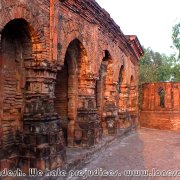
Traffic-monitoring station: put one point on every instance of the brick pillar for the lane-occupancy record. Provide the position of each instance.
(1, 100)
(42, 145)
(1, 92)
(123, 106)
(89, 132)
(72, 107)
(110, 111)
(133, 105)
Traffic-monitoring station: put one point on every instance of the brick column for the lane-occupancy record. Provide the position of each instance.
(72, 108)
(110, 111)
(89, 132)
(1, 92)
(123, 106)
(133, 105)
(1, 78)
(43, 145)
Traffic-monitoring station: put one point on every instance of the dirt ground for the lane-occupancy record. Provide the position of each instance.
(153, 153)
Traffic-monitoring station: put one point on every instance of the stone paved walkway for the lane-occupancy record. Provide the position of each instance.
(142, 150)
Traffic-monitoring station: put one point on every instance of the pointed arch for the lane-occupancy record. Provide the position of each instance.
(16, 48)
(67, 89)
(17, 12)
(121, 78)
(103, 86)
(132, 82)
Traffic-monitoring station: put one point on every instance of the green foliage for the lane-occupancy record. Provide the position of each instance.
(176, 43)
(176, 73)
(176, 37)
(155, 67)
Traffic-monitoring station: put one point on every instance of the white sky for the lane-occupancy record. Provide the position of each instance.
(150, 20)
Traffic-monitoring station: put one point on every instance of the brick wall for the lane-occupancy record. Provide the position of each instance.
(155, 114)
(51, 53)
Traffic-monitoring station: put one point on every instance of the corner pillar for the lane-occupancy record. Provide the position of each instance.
(42, 144)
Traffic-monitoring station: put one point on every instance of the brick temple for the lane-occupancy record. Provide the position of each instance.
(68, 77)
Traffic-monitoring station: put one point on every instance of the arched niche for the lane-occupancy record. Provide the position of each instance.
(161, 93)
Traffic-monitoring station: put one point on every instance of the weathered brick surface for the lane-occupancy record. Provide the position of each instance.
(60, 79)
(153, 114)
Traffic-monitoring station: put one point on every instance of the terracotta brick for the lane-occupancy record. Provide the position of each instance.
(165, 117)
(60, 79)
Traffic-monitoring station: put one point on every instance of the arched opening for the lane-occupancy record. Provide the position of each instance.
(121, 88)
(123, 97)
(132, 84)
(67, 87)
(104, 94)
(16, 47)
(100, 84)
(120, 79)
(161, 94)
(131, 95)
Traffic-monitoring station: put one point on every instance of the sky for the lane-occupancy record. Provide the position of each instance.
(150, 20)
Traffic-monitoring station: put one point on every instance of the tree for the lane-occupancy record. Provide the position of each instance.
(176, 37)
(176, 43)
(155, 67)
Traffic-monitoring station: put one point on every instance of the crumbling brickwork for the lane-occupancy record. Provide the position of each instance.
(68, 75)
(161, 106)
